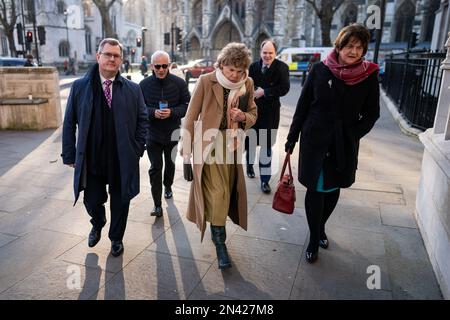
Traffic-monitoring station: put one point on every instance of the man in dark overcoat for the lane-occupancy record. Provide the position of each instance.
(271, 79)
(109, 113)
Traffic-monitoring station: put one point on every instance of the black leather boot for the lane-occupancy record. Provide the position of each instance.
(218, 236)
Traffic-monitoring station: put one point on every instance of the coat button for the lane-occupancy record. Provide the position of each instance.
(327, 154)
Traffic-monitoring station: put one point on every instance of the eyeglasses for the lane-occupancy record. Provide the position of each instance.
(159, 66)
(111, 55)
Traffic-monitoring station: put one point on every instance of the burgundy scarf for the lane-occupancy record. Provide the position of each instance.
(352, 73)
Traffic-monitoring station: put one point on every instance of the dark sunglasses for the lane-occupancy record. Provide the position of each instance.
(159, 66)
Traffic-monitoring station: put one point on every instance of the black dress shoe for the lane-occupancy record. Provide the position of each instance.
(94, 237)
(116, 248)
(312, 252)
(265, 187)
(157, 212)
(250, 171)
(168, 193)
(323, 242)
(311, 257)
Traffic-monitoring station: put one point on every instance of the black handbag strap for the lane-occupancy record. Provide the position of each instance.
(287, 162)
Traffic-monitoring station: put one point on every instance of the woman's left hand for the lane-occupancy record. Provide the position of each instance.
(237, 115)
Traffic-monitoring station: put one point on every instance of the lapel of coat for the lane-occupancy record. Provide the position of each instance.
(218, 91)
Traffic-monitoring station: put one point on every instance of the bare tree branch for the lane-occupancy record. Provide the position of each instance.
(340, 2)
(314, 5)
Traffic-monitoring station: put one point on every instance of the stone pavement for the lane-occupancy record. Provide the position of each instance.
(43, 237)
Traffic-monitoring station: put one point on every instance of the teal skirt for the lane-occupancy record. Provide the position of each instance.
(320, 184)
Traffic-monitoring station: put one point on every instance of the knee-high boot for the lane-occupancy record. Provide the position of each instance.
(218, 236)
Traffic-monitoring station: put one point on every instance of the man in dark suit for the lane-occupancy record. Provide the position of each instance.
(166, 97)
(111, 117)
(271, 79)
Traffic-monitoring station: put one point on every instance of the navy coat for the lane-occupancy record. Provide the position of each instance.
(332, 117)
(131, 125)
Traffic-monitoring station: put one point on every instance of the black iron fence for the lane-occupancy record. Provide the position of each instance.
(413, 80)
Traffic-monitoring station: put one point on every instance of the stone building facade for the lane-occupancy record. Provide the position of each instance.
(74, 30)
(207, 25)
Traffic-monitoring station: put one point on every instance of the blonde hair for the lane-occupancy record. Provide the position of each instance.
(234, 54)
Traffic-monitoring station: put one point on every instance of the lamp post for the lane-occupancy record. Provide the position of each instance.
(143, 30)
(66, 16)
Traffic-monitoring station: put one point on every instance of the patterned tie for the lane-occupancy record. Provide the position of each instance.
(107, 92)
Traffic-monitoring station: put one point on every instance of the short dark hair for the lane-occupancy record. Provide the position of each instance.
(112, 42)
(272, 42)
(355, 30)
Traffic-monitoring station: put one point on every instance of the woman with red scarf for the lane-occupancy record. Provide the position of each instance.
(338, 105)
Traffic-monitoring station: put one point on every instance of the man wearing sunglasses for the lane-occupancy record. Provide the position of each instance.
(167, 97)
(109, 113)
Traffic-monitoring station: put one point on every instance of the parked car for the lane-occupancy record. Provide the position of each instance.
(196, 68)
(12, 62)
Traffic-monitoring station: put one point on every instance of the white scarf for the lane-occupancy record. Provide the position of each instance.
(237, 89)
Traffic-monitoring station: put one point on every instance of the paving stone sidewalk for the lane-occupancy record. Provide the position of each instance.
(43, 237)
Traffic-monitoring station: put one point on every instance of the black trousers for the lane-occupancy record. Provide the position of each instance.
(94, 200)
(266, 140)
(155, 153)
(319, 206)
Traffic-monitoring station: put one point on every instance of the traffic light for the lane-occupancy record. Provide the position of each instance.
(20, 33)
(413, 40)
(138, 42)
(188, 45)
(167, 38)
(41, 35)
(133, 51)
(178, 35)
(29, 36)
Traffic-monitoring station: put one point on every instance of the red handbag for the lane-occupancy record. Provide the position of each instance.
(284, 197)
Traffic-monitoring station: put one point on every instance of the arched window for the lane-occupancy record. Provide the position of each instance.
(404, 18)
(60, 7)
(197, 13)
(88, 41)
(64, 49)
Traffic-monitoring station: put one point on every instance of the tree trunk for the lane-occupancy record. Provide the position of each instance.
(11, 44)
(106, 21)
(103, 7)
(325, 26)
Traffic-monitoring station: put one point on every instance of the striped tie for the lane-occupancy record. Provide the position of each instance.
(107, 92)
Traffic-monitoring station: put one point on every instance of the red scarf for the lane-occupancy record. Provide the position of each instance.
(352, 73)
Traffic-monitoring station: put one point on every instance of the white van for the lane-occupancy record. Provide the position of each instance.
(298, 59)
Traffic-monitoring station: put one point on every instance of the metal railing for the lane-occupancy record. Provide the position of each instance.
(413, 80)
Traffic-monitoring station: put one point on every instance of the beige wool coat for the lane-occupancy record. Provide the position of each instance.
(205, 112)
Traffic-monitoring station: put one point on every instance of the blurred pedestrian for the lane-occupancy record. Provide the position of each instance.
(166, 97)
(338, 105)
(271, 77)
(30, 62)
(111, 139)
(221, 105)
(176, 71)
(144, 66)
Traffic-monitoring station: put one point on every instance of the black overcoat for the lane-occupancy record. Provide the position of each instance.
(275, 83)
(131, 125)
(332, 117)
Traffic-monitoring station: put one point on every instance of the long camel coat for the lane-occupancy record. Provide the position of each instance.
(205, 112)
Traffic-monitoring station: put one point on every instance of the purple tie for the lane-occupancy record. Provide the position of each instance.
(107, 91)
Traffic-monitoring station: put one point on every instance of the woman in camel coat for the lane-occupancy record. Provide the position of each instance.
(221, 107)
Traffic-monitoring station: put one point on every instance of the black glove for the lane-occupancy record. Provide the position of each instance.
(289, 147)
(187, 172)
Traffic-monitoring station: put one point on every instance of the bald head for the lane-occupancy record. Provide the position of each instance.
(268, 52)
